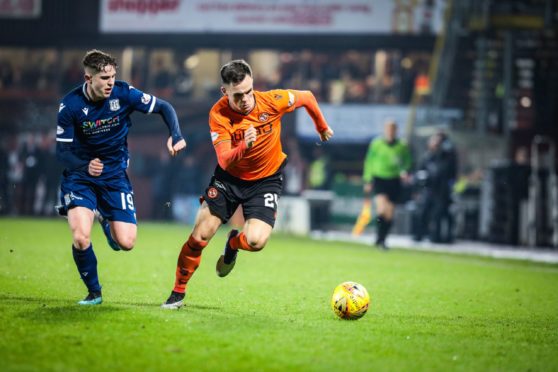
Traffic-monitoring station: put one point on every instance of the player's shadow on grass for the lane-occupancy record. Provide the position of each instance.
(54, 310)
(52, 303)
(68, 313)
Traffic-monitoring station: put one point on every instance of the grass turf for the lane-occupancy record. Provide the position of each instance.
(428, 312)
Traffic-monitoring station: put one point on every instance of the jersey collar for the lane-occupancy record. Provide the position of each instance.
(84, 89)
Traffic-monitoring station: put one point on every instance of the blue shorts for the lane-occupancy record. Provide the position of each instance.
(113, 197)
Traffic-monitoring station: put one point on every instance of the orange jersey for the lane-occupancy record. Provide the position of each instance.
(266, 154)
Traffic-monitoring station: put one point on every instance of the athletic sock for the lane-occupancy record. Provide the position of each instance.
(387, 228)
(381, 231)
(240, 242)
(188, 261)
(86, 263)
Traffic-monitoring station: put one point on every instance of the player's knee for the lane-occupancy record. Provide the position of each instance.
(127, 243)
(257, 244)
(205, 238)
(204, 233)
(81, 241)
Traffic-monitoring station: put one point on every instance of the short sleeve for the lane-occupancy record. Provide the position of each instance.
(65, 124)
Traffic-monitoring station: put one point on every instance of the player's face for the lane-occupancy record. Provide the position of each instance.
(241, 95)
(100, 84)
(390, 131)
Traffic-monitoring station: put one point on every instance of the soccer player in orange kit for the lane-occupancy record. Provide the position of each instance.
(245, 129)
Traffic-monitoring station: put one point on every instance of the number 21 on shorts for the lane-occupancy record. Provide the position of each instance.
(270, 200)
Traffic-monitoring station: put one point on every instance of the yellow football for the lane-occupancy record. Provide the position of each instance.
(350, 300)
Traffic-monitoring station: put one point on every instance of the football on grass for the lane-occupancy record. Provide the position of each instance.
(350, 300)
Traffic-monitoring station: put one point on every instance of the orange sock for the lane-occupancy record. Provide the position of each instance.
(240, 242)
(188, 261)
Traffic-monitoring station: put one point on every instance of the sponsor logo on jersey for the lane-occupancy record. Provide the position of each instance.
(214, 136)
(90, 126)
(59, 130)
(85, 110)
(61, 107)
(114, 104)
(212, 192)
(263, 117)
(260, 130)
(145, 98)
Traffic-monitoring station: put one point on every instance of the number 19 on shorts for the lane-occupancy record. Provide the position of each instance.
(127, 201)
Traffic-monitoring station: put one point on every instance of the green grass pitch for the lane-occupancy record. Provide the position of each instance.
(428, 311)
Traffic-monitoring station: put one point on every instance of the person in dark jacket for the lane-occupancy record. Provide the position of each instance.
(434, 180)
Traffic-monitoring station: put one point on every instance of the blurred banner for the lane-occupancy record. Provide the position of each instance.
(355, 123)
(20, 8)
(271, 16)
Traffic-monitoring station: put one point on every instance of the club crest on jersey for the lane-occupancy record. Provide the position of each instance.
(212, 192)
(145, 98)
(114, 104)
(263, 117)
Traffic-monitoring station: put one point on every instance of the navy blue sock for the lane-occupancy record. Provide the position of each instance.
(86, 262)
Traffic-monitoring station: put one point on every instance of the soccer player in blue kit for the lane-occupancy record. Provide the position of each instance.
(91, 142)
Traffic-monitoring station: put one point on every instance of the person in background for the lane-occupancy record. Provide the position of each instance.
(386, 165)
(435, 178)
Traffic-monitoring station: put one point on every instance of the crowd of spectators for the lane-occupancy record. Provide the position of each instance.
(29, 174)
(383, 77)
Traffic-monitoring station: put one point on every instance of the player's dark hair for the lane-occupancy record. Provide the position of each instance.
(98, 60)
(235, 71)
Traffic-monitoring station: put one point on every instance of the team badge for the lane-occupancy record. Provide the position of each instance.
(145, 98)
(114, 105)
(277, 97)
(263, 117)
(212, 192)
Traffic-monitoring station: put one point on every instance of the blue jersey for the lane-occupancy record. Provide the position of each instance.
(100, 129)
